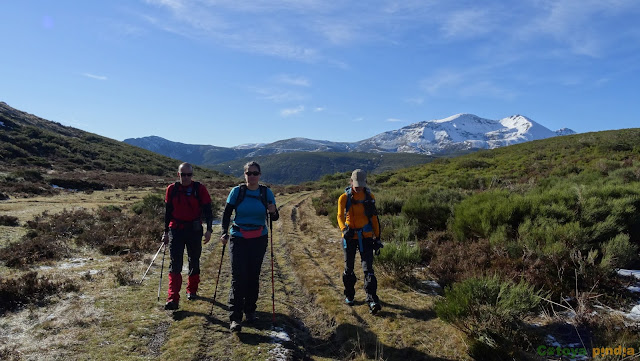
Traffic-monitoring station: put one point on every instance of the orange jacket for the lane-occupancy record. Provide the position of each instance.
(356, 218)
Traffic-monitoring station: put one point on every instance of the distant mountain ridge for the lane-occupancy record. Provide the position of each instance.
(457, 133)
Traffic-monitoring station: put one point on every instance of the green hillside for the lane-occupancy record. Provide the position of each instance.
(36, 153)
(510, 231)
(298, 167)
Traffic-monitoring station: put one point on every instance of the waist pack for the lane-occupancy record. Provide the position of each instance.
(249, 233)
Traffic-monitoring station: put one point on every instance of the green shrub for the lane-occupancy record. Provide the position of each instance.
(399, 258)
(618, 253)
(431, 208)
(152, 206)
(487, 308)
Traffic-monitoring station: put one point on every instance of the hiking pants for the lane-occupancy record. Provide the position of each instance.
(191, 238)
(366, 256)
(246, 262)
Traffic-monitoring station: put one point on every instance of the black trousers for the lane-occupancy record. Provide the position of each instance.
(366, 256)
(191, 238)
(246, 262)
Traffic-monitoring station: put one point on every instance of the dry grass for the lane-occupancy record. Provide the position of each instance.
(111, 317)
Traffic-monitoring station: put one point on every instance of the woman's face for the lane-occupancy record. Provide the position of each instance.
(252, 175)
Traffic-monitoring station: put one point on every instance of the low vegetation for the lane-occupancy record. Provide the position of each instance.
(556, 217)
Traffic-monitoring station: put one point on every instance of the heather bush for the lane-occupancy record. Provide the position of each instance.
(9, 221)
(123, 273)
(31, 250)
(30, 289)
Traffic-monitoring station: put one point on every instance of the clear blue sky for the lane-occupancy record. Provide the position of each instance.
(229, 72)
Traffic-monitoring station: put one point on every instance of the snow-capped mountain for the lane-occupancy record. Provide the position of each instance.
(456, 133)
(460, 132)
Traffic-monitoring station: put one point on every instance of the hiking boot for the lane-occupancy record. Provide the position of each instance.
(192, 296)
(235, 326)
(374, 307)
(250, 317)
(349, 301)
(171, 305)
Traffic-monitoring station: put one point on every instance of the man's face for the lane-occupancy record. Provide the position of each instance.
(185, 174)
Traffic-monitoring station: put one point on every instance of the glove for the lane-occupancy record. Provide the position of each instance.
(377, 244)
(348, 233)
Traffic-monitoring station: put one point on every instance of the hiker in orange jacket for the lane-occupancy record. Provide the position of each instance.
(358, 221)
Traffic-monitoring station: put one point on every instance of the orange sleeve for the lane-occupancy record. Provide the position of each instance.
(342, 217)
(376, 223)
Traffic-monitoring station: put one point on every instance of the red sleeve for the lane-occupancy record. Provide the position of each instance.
(168, 192)
(205, 198)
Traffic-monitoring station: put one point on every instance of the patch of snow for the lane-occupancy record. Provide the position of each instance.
(279, 352)
(629, 272)
(573, 348)
(634, 314)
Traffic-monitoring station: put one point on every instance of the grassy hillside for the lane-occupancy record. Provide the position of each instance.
(298, 167)
(36, 153)
(544, 224)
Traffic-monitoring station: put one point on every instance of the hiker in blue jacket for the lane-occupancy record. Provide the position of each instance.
(248, 238)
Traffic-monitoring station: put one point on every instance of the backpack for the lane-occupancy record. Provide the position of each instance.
(369, 203)
(243, 193)
(195, 187)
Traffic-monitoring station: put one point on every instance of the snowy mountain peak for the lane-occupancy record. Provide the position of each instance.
(458, 132)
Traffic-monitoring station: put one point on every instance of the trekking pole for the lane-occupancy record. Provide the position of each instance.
(161, 270)
(148, 268)
(217, 279)
(273, 287)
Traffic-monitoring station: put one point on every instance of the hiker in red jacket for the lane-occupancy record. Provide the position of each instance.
(187, 202)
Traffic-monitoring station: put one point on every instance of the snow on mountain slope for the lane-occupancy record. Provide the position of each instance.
(456, 133)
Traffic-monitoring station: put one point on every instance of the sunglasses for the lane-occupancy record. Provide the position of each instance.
(186, 174)
(252, 173)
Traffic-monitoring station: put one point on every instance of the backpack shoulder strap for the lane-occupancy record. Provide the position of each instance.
(263, 195)
(242, 191)
(174, 191)
(349, 196)
(196, 193)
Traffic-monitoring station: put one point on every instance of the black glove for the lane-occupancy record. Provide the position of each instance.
(348, 233)
(377, 244)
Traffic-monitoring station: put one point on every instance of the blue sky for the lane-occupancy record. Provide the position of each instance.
(229, 72)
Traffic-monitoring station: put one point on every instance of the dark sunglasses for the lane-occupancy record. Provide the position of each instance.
(252, 173)
(186, 174)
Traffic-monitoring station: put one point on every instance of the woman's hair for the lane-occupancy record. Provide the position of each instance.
(252, 163)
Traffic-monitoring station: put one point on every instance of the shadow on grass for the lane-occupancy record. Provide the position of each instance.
(295, 340)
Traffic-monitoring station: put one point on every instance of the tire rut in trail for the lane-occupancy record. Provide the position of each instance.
(158, 339)
(313, 322)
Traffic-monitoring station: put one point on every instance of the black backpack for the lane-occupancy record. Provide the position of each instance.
(196, 187)
(243, 193)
